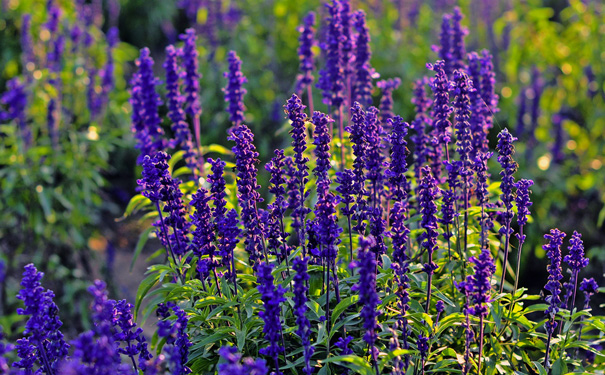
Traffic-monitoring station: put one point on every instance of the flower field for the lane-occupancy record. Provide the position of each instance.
(345, 187)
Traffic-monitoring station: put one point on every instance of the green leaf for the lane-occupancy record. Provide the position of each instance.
(218, 149)
(342, 306)
(355, 363)
(145, 286)
(143, 237)
(559, 367)
(541, 369)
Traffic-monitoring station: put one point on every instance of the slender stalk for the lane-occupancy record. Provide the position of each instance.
(328, 296)
(519, 262)
(480, 343)
(546, 364)
(505, 261)
(310, 98)
(45, 360)
(198, 139)
(165, 230)
(341, 132)
(466, 218)
(428, 288)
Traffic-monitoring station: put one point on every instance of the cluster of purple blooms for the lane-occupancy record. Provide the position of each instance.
(114, 344)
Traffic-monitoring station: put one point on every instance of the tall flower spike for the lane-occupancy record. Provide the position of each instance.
(589, 287)
(362, 70)
(146, 123)
(374, 156)
(398, 166)
(331, 77)
(177, 339)
(129, 334)
(368, 297)
(553, 251)
(43, 326)
(428, 192)
(445, 47)
(246, 159)
(192, 75)
(204, 235)
(523, 204)
(441, 113)
(300, 170)
(458, 34)
(15, 100)
(422, 105)
(322, 141)
(357, 137)
(175, 111)
(488, 94)
(506, 150)
(234, 91)
(272, 297)
(576, 261)
(477, 119)
(386, 101)
(305, 53)
(300, 308)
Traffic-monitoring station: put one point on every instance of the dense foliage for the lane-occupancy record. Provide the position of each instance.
(380, 246)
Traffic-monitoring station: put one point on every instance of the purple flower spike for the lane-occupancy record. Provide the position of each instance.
(523, 203)
(462, 106)
(180, 127)
(428, 192)
(445, 47)
(398, 166)
(146, 123)
(553, 251)
(458, 34)
(368, 298)
(15, 100)
(362, 70)
(300, 170)
(192, 75)
(331, 77)
(300, 308)
(305, 53)
(234, 91)
(589, 287)
(386, 101)
(235, 365)
(576, 261)
(322, 141)
(43, 326)
(422, 104)
(247, 186)
(272, 297)
(204, 234)
(177, 339)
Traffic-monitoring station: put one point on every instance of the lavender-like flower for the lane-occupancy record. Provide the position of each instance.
(449, 198)
(27, 45)
(506, 150)
(300, 308)
(445, 44)
(176, 336)
(400, 265)
(247, 186)
(192, 75)
(428, 192)
(422, 104)
(248, 366)
(523, 204)
(386, 101)
(277, 209)
(441, 113)
(358, 140)
(217, 189)
(374, 157)
(458, 34)
(228, 232)
(234, 91)
(331, 77)
(300, 171)
(15, 100)
(589, 287)
(129, 333)
(362, 70)
(43, 326)
(322, 139)
(272, 297)
(204, 236)
(553, 251)
(368, 297)
(488, 94)
(398, 183)
(146, 123)
(175, 111)
(305, 53)
(576, 261)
